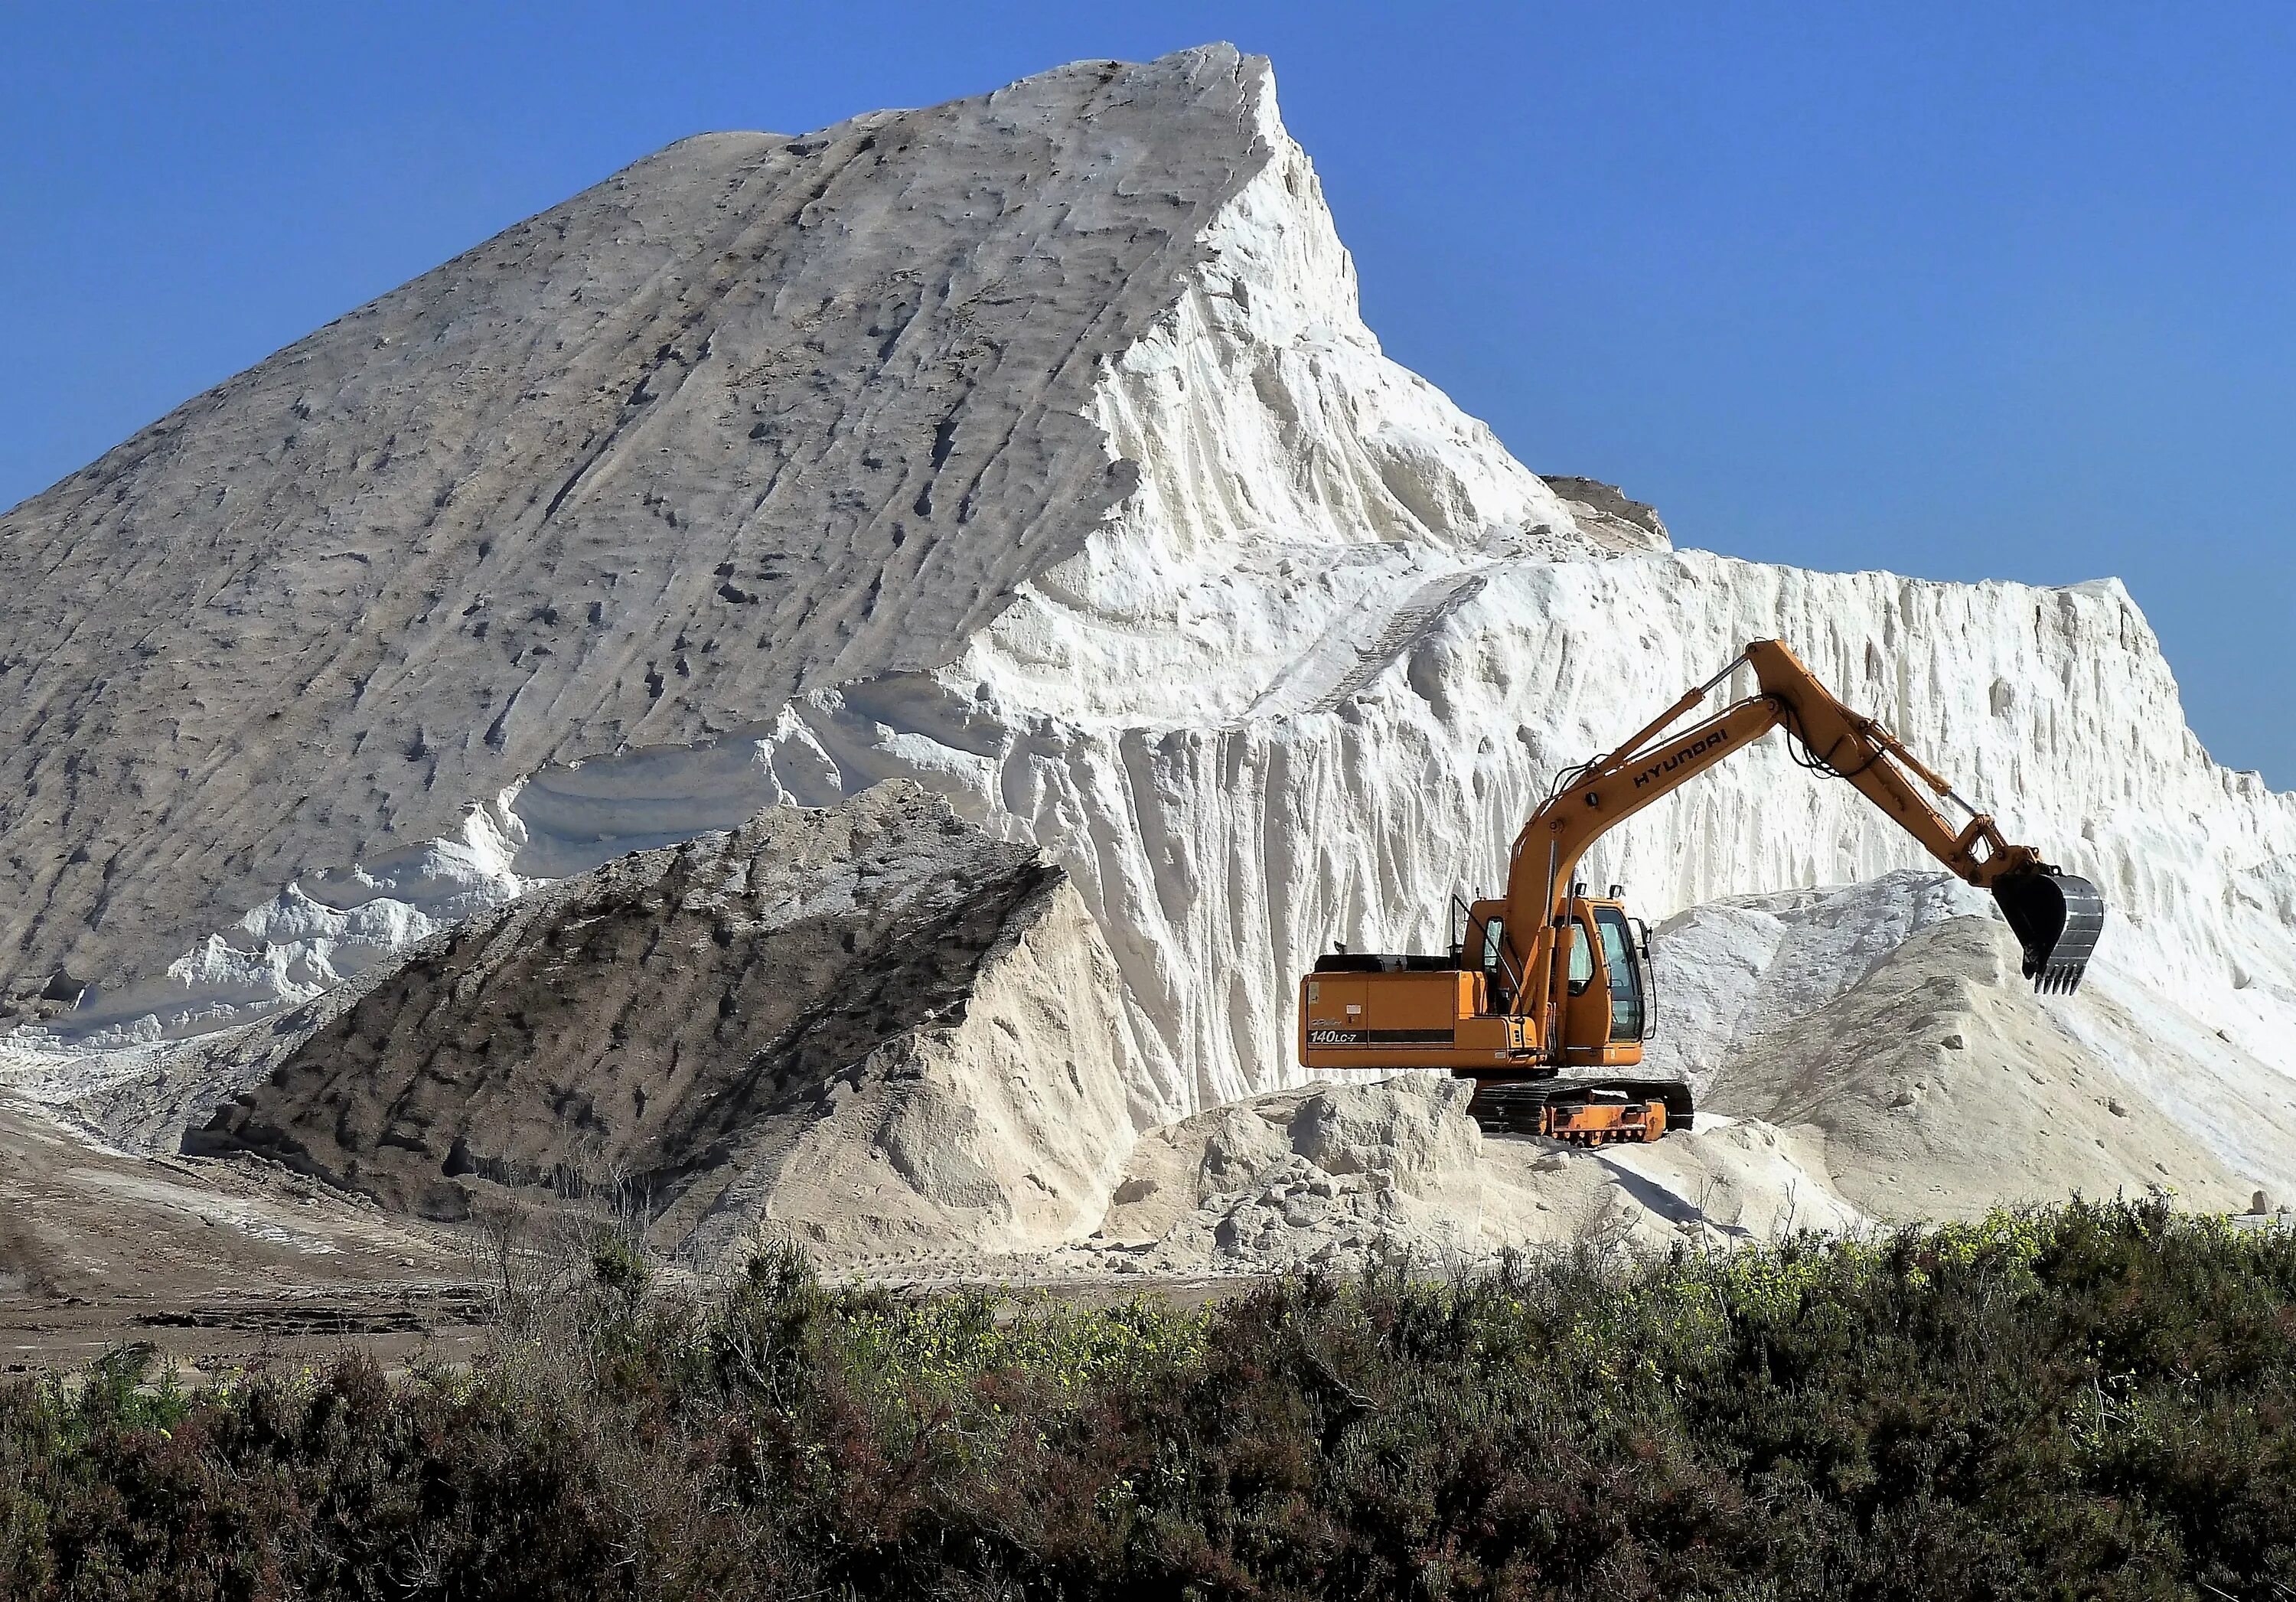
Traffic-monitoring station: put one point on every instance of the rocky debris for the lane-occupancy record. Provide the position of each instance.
(1595, 505)
(1329, 1175)
(35, 1000)
(1340, 1178)
(864, 1024)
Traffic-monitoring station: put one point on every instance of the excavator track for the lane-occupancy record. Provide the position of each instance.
(1586, 1111)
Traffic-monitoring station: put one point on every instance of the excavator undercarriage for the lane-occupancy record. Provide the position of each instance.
(1545, 994)
(1584, 1112)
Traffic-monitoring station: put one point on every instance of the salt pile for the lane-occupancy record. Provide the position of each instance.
(1032, 449)
(1341, 1178)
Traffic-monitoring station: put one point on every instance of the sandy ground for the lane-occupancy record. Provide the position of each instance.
(218, 1264)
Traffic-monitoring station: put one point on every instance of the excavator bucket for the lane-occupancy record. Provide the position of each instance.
(2056, 917)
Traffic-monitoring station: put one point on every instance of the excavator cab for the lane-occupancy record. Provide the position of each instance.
(1604, 1009)
(1461, 1011)
(1588, 1088)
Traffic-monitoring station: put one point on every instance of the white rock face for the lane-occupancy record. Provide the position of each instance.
(1302, 675)
(759, 415)
(1252, 415)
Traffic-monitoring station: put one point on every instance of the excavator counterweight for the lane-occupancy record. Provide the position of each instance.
(1545, 995)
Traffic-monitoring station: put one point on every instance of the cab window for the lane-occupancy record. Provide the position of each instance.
(1494, 962)
(1582, 960)
(1625, 977)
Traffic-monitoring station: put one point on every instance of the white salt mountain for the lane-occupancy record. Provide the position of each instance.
(1030, 448)
(757, 415)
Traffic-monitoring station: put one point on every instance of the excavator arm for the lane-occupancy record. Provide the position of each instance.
(1829, 738)
(2055, 916)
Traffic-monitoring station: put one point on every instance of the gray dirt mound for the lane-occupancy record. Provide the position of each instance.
(872, 1023)
(1605, 510)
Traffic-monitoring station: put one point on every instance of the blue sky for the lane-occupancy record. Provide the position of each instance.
(1984, 290)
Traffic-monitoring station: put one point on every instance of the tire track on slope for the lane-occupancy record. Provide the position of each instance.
(1334, 670)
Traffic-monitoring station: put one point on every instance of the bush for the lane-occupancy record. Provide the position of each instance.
(2091, 1401)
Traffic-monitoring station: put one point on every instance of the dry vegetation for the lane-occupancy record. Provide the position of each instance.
(2093, 1400)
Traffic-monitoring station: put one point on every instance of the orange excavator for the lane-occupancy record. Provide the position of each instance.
(1545, 995)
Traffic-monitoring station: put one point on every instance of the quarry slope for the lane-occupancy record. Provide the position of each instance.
(1251, 632)
(1888, 1019)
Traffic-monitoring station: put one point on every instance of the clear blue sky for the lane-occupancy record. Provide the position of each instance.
(1963, 291)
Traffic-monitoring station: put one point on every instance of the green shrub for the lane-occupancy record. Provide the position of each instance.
(2094, 1400)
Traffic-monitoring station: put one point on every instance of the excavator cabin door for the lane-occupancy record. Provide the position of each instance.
(1622, 973)
(1604, 1008)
